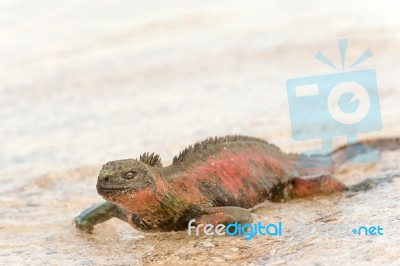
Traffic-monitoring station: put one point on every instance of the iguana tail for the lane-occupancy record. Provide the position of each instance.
(365, 148)
(370, 183)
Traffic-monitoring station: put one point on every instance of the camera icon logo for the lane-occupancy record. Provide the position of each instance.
(325, 106)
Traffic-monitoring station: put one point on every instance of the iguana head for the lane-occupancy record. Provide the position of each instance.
(128, 182)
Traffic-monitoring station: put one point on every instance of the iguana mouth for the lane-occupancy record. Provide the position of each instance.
(111, 190)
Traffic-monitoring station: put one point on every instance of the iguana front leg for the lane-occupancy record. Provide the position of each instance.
(225, 215)
(98, 213)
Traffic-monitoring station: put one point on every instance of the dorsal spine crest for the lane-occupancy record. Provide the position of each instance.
(151, 159)
(203, 145)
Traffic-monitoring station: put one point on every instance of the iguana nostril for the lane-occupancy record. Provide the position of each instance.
(104, 175)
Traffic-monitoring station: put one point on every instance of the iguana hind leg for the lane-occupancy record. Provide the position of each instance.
(98, 213)
(322, 184)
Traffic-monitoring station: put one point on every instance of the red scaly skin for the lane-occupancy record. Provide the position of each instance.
(230, 171)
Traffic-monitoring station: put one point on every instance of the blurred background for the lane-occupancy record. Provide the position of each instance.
(86, 82)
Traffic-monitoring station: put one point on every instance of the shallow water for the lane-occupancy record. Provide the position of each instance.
(82, 84)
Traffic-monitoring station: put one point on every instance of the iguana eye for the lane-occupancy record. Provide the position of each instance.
(130, 175)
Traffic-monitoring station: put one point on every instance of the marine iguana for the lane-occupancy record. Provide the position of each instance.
(214, 181)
